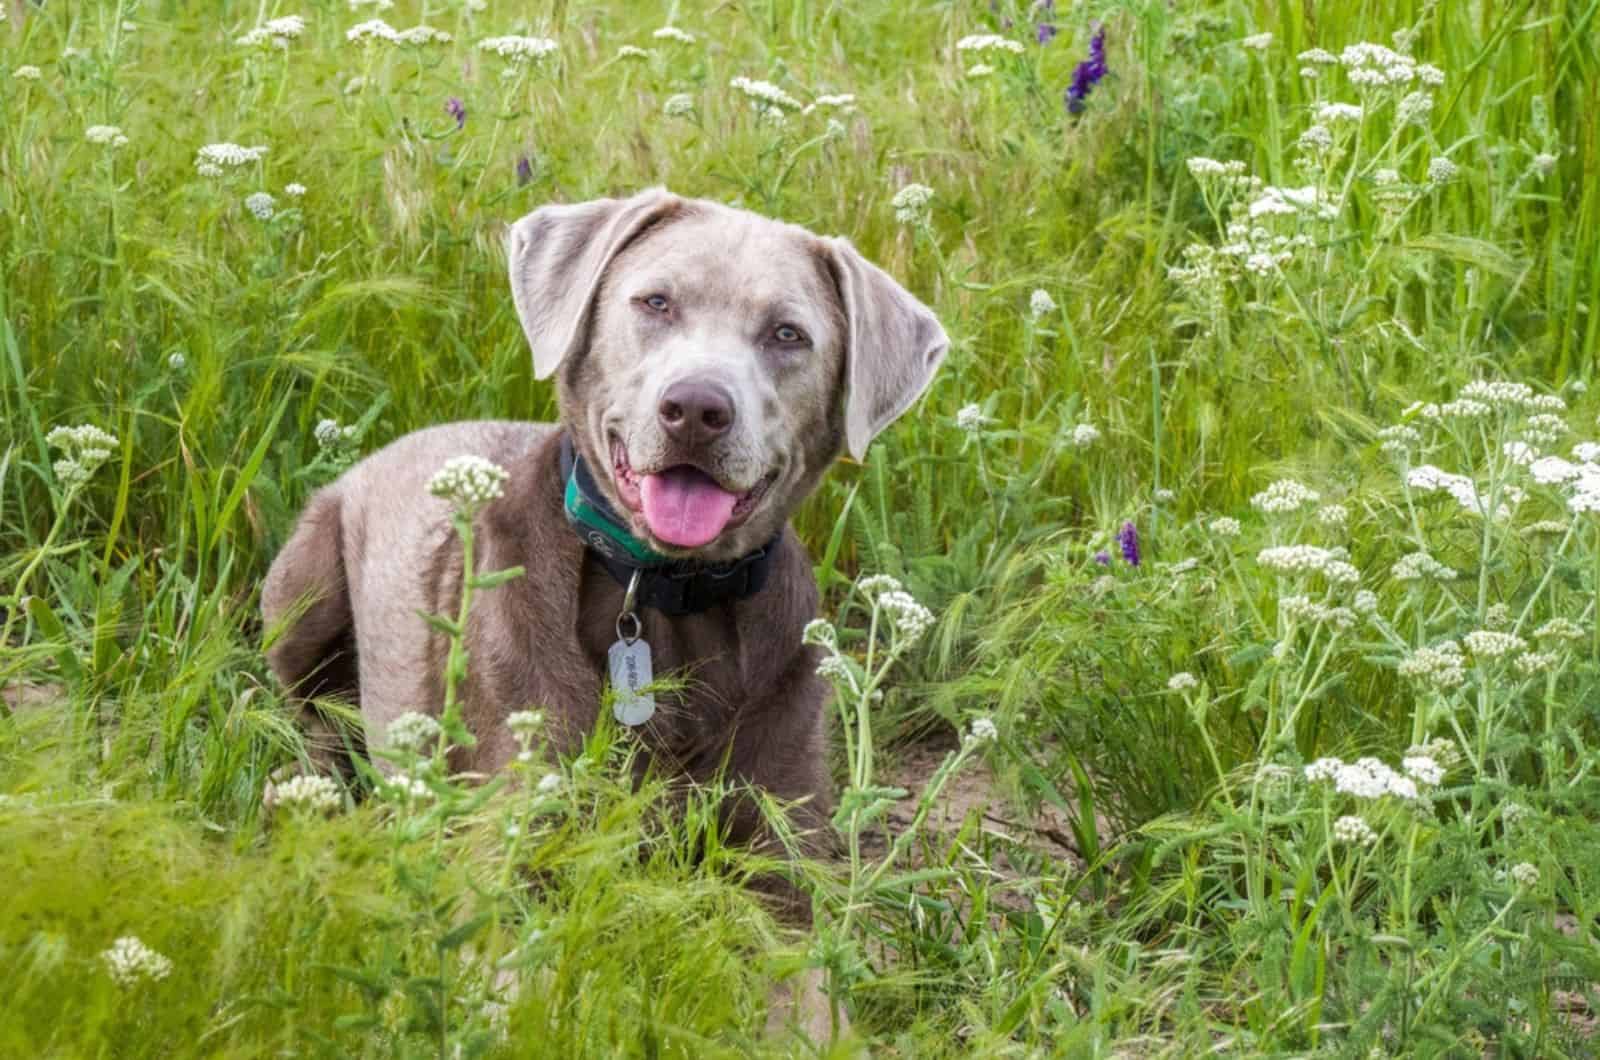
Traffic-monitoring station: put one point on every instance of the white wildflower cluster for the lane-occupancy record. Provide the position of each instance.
(765, 94)
(1339, 113)
(105, 136)
(1498, 616)
(417, 36)
(978, 71)
(1442, 171)
(519, 51)
(912, 204)
(1492, 644)
(27, 72)
(1354, 831)
(1544, 429)
(550, 784)
(819, 632)
(294, 190)
(1417, 566)
(308, 793)
(1365, 602)
(1525, 875)
(1424, 769)
(1441, 665)
(406, 788)
(468, 482)
(413, 732)
(129, 961)
(275, 33)
(970, 418)
(1224, 526)
(374, 29)
(1300, 609)
(84, 449)
(1546, 526)
(213, 160)
(1283, 497)
(1231, 176)
(834, 668)
(262, 205)
(1333, 516)
(1365, 778)
(330, 435)
(1519, 452)
(1558, 629)
(840, 102)
(1308, 200)
(909, 618)
(1257, 42)
(1182, 681)
(1429, 479)
(1441, 750)
(1375, 66)
(674, 34)
(978, 43)
(678, 105)
(632, 51)
(1531, 663)
(1084, 435)
(1040, 304)
(1309, 559)
(525, 724)
(983, 731)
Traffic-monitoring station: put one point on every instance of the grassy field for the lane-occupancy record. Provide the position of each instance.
(1257, 509)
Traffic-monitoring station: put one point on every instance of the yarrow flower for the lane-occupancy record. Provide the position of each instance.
(469, 482)
(983, 731)
(294, 190)
(988, 42)
(1422, 768)
(1416, 566)
(1490, 644)
(1182, 681)
(374, 29)
(819, 632)
(912, 204)
(1525, 875)
(276, 32)
(1085, 435)
(413, 732)
(1284, 496)
(525, 724)
(419, 36)
(549, 784)
(213, 160)
(673, 33)
(678, 105)
(1365, 778)
(85, 448)
(1087, 74)
(1441, 665)
(765, 93)
(105, 136)
(129, 961)
(261, 205)
(519, 50)
(1224, 526)
(27, 72)
(1041, 304)
(909, 618)
(1257, 42)
(1354, 831)
(1306, 559)
(1442, 171)
(313, 794)
(632, 51)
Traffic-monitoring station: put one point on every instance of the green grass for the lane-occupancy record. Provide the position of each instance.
(1213, 906)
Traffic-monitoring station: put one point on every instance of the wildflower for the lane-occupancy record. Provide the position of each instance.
(1323, 769)
(1553, 471)
(678, 105)
(834, 668)
(277, 32)
(1559, 629)
(1284, 496)
(1423, 769)
(27, 72)
(1184, 566)
(1414, 109)
(908, 617)
(130, 960)
(1257, 42)
(1315, 139)
(983, 731)
(1544, 163)
(1333, 515)
(1354, 831)
(1535, 662)
(1490, 644)
(911, 204)
(377, 5)
(1103, 558)
(216, 159)
(549, 784)
(1512, 813)
(978, 70)
(1289, 202)
(1588, 452)
(261, 204)
(1318, 57)
(1333, 113)
(875, 584)
(313, 794)
(1498, 616)
(420, 36)
(970, 418)
(1041, 304)
(524, 723)
(1128, 541)
(457, 110)
(987, 42)
(1224, 526)
(105, 136)
(844, 102)
(177, 362)
(820, 633)
(524, 170)
(373, 29)
(330, 435)
(468, 482)
(1441, 665)
(1087, 74)
(85, 449)
(1547, 526)
(674, 34)
(1085, 435)
(1164, 496)
(765, 93)
(413, 732)
(1182, 681)
(519, 50)
(1525, 875)
(1442, 171)
(632, 51)
(407, 787)
(1296, 559)
(1441, 749)
(1044, 32)
(1365, 602)
(1368, 778)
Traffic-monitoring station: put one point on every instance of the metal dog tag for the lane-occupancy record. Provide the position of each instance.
(631, 671)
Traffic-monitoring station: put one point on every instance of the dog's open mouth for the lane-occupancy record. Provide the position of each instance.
(683, 505)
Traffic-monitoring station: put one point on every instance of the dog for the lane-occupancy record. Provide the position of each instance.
(711, 364)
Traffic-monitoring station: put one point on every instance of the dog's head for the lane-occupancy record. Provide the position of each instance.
(713, 361)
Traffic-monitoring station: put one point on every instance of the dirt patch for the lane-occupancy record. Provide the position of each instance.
(22, 696)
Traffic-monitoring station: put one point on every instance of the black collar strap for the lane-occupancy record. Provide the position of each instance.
(672, 587)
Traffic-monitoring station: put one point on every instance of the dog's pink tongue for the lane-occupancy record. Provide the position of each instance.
(685, 507)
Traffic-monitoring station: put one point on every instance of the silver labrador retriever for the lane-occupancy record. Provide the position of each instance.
(712, 363)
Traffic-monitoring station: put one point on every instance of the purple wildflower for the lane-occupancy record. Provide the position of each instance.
(457, 110)
(1103, 558)
(1128, 539)
(1088, 73)
(1044, 32)
(524, 170)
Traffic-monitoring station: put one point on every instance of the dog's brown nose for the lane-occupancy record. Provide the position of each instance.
(695, 413)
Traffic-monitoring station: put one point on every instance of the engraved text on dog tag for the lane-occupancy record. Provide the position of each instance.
(630, 673)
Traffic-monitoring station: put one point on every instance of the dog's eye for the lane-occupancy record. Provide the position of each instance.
(657, 302)
(788, 334)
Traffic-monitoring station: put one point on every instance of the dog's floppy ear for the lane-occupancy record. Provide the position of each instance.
(558, 256)
(894, 344)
